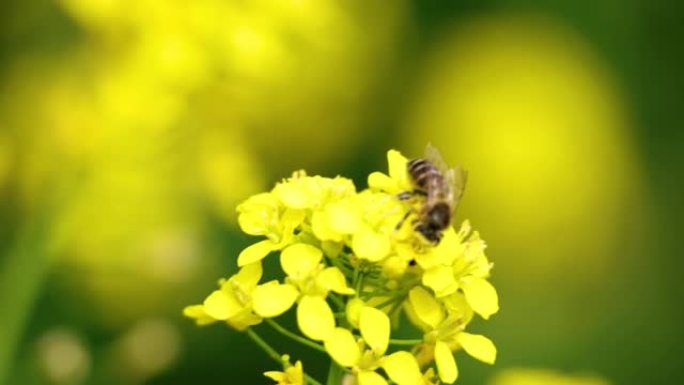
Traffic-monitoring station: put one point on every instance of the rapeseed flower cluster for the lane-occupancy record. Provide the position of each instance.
(352, 266)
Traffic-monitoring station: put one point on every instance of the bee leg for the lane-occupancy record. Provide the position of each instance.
(406, 195)
(403, 219)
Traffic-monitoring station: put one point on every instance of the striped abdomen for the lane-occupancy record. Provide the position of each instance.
(425, 175)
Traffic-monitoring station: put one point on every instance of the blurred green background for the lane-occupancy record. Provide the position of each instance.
(129, 130)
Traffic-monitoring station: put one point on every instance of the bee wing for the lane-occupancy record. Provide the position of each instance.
(433, 156)
(456, 180)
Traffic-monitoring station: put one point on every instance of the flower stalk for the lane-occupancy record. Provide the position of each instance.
(293, 336)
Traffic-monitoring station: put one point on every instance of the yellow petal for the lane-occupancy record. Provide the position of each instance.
(256, 213)
(464, 230)
(449, 248)
(426, 307)
(197, 313)
(221, 305)
(255, 252)
(397, 166)
(315, 318)
(248, 276)
(243, 320)
(366, 377)
(194, 311)
(342, 347)
(475, 248)
(342, 218)
(441, 280)
(273, 299)
(481, 296)
(432, 258)
(446, 364)
(353, 311)
(290, 219)
(321, 228)
(370, 245)
(375, 329)
(333, 279)
(402, 368)
(394, 267)
(276, 376)
(294, 194)
(478, 346)
(382, 182)
(295, 373)
(299, 260)
(457, 306)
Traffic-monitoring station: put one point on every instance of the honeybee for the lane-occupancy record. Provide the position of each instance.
(441, 188)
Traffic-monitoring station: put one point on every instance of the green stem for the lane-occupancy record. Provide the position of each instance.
(398, 297)
(311, 380)
(339, 265)
(274, 354)
(21, 277)
(264, 345)
(395, 307)
(391, 301)
(294, 336)
(338, 301)
(365, 295)
(335, 374)
(405, 342)
(355, 277)
(358, 284)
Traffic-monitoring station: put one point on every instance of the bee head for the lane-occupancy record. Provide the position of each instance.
(430, 233)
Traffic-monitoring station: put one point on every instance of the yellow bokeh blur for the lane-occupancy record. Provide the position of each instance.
(131, 130)
(524, 105)
(259, 60)
(153, 118)
(6, 158)
(544, 377)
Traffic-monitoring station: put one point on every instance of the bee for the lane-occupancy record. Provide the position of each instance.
(441, 189)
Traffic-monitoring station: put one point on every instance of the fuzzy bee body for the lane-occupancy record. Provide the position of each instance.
(426, 177)
(441, 188)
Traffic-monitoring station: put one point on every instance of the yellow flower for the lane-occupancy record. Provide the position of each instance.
(279, 213)
(309, 280)
(273, 298)
(459, 263)
(264, 215)
(292, 374)
(366, 355)
(397, 181)
(335, 242)
(364, 222)
(444, 332)
(308, 192)
(232, 303)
